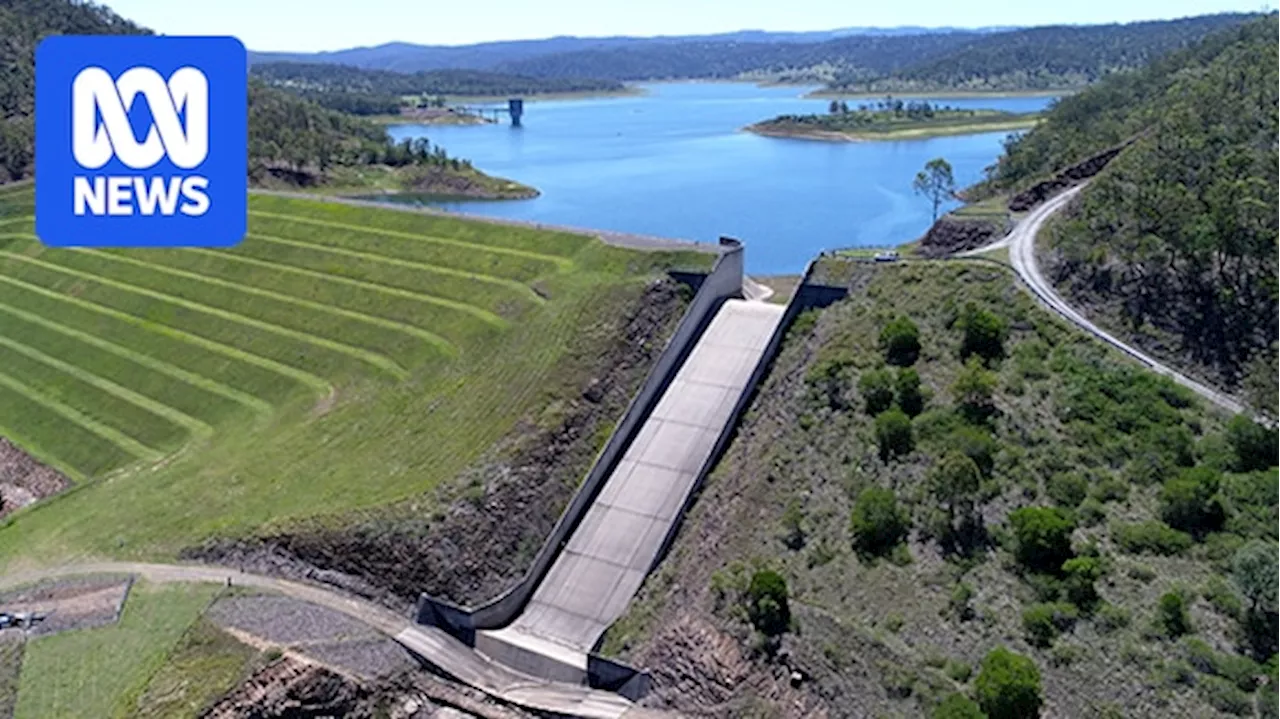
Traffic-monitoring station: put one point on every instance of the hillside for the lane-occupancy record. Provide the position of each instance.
(892, 120)
(409, 58)
(866, 543)
(852, 60)
(375, 92)
(1174, 243)
(1043, 58)
(293, 142)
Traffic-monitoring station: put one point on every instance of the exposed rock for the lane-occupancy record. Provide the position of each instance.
(950, 235)
(24, 480)
(289, 688)
(1069, 177)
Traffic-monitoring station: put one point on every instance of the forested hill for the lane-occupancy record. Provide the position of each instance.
(370, 92)
(1175, 242)
(291, 140)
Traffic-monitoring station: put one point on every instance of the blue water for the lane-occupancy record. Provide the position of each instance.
(674, 163)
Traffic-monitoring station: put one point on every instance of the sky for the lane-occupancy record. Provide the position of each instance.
(312, 25)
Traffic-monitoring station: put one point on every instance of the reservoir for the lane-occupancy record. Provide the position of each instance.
(675, 162)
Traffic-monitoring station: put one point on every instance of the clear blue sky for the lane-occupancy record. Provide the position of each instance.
(309, 25)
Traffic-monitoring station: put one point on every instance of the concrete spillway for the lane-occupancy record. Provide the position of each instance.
(620, 537)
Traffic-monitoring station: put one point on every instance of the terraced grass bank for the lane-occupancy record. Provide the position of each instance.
(340, 357)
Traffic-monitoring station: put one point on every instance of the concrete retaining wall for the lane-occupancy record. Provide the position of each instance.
(724, 281)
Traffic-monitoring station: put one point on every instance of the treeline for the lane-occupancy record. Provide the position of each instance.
(289, 137)
(1044, 57)
(1178, 235)
(293, 137)
(22, 24)
(373, 92)
(1036, 58)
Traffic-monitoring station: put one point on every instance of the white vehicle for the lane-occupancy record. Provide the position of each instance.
(887, 256)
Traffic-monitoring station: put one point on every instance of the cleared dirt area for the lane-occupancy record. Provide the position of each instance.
(23, 480)
(492, 519)
(69, 604)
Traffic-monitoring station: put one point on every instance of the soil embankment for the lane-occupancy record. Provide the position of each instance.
(24, 480)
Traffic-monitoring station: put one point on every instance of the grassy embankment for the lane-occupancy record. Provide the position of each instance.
(341, 357)
(888, 126)
(102, 672)
(1053, 419)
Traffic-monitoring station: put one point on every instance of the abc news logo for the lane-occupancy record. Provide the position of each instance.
(141, 141)
(185, 141)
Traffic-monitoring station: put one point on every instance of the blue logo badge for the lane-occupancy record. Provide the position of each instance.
(141, 141)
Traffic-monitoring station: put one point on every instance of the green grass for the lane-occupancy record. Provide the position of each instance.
(205, 664)
(351, 358)
(100, 672)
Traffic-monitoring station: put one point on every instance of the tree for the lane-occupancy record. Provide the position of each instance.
(878, 524)
(1008, 686)
(910, 398)
(900, 340)
(1254, 446)
(977, 444)
(1172, 616)
(1253, 567)
(957, 706)
(1191, 502)
(973, 391)
(876, 388)
(954, 483)
(1043, 537)
(767, 602)
(834, 107)
(1079, 575)
(894, 434)
(984, 333)
(935, 182)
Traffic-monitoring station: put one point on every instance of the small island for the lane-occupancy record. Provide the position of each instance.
(892, 119)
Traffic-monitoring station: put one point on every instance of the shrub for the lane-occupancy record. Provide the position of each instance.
(900, 340)
(893, 434)
(878, 523)
(1079, 576)
(829, 377)
(1043, 537)
(1224, 696)
(959, 602)
(957, 706)
(793, 534)
(1111, 618)
(957, 670)
(1253, 446)
(1171, 615)
(1218, 593)
(1110, 489)
(1091, 512)
(1151, 537)
(954, 483)
(973, 391)
(1241, 671)
(978, 444)
(1067, 489)
(1043, 622)
(767, 602)
(1008, 686)
(876, 388)
(910, 398)
(1191, 502)
(1253, 567)
(984, 333)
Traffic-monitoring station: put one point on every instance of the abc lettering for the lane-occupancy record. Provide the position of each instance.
(100, 131)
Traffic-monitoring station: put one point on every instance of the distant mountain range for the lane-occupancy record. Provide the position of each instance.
(904, 59)
(410, 57)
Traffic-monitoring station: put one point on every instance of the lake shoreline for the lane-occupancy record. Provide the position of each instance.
(909, 133)
(828, 94)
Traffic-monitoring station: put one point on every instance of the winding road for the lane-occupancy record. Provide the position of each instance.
(1022, 253)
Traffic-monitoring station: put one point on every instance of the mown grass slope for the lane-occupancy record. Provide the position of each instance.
(101, 672)
(340, 357)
